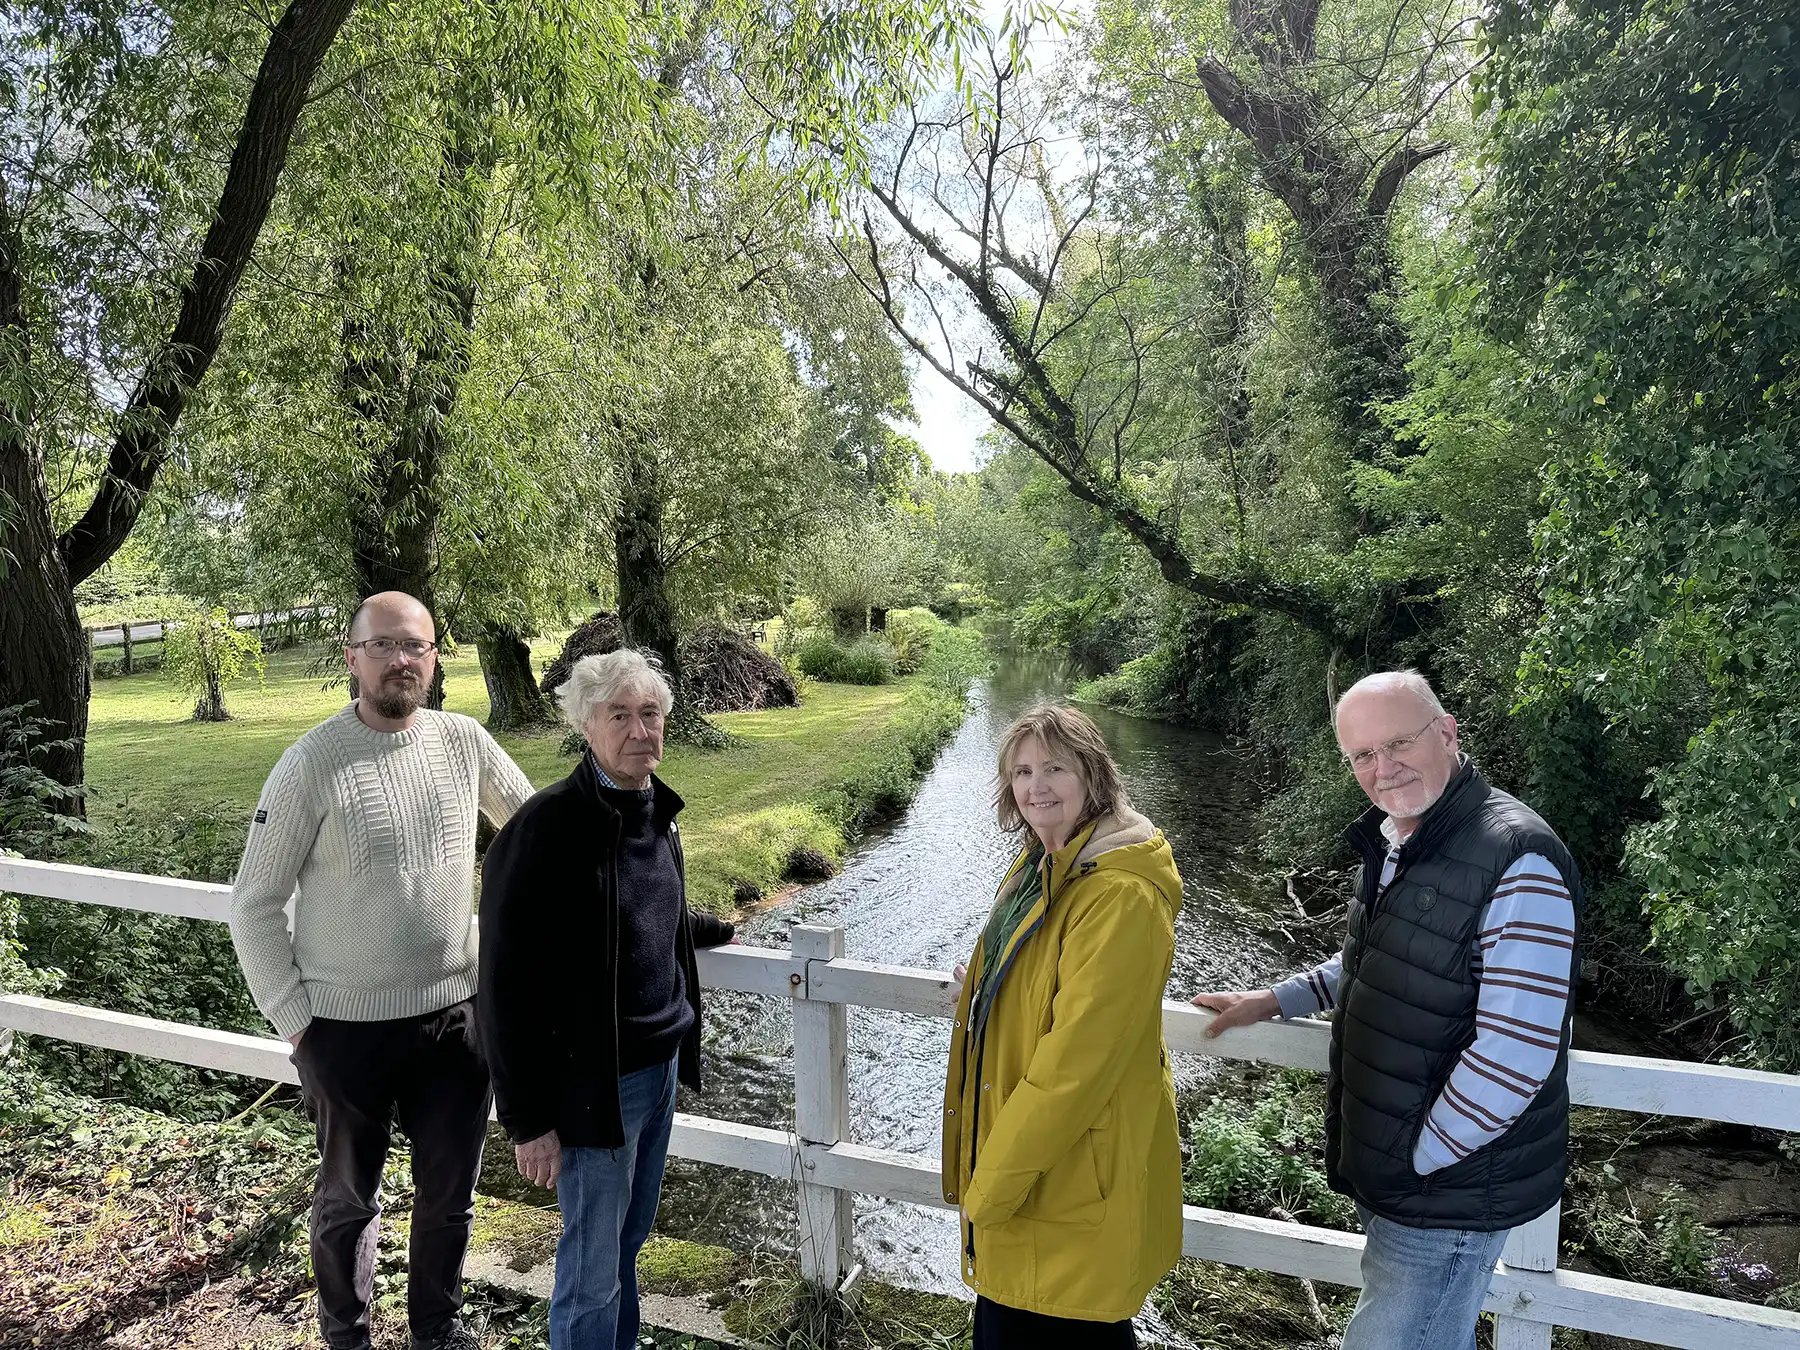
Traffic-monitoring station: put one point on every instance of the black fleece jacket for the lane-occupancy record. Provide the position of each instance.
(548, 997)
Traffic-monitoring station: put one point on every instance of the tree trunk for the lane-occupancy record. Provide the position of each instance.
(210, 707)
(396, 517)
(645, 610)
(1341, 215)
(514, 702)
(44, 651)
(849, 624)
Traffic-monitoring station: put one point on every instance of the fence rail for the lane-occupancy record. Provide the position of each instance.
(302, 620)
(1529, 1295)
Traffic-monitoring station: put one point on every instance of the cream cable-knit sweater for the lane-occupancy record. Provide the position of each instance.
(378, 830)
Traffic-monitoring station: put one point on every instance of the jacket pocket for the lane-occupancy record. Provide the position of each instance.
(1071, 1191)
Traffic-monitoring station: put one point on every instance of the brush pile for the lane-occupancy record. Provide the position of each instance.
(724, 671)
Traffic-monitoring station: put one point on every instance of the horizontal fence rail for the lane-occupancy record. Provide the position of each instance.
(1528, 1295)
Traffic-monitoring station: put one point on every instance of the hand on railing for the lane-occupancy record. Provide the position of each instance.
(958, 975)
(1237, 1008)
(540, 1160)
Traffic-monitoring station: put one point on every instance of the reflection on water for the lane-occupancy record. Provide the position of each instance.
(916, 894)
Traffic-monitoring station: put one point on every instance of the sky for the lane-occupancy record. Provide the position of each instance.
(949, 423)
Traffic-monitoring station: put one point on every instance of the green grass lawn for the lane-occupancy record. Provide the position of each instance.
(749, 805)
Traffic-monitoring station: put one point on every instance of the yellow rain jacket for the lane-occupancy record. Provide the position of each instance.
(1059, 1122)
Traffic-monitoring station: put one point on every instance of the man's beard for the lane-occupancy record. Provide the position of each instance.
(1413, 799)
(397, 699)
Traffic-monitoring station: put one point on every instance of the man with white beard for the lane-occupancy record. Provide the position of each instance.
(372, 815)
(1448, 1115)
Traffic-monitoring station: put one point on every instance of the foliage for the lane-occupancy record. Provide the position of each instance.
(880, 559)
(1263, 1155)
(868, 660)
(1639, 247)
(1663, 1244)
(207, 652)
(33, 820)
(151, 965)
(911, 633)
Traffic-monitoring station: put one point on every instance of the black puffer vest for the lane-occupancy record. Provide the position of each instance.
(1406, 1011)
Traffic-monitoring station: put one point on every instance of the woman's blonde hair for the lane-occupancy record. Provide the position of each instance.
(1071, 736)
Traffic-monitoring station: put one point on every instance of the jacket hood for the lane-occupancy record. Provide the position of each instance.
(1125, 841)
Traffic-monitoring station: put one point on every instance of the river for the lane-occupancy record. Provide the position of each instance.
(916, 893)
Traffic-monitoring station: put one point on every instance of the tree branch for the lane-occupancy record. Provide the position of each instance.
(1393, 174)
(296, 50)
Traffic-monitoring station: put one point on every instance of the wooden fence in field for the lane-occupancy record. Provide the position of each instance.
(289, 625)
(1530, 1294)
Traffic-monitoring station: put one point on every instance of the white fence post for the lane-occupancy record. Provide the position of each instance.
(821, 1114)
(1532, 1246)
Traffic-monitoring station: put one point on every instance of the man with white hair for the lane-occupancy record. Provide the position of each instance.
(1448, 1116)
(372, 815)
(590, 994)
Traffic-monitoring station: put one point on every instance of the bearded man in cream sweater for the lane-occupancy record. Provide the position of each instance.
(372, 816)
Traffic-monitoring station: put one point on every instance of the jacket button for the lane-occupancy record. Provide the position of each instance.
(984, 1087)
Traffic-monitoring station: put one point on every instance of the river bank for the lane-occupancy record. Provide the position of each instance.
(789, 779)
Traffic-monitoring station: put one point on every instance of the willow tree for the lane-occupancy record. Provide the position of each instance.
(138, 180)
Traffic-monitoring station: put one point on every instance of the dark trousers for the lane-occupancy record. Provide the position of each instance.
(998, 1327)
(355, 1077)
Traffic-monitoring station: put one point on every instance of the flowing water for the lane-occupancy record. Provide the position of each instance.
(916, 894)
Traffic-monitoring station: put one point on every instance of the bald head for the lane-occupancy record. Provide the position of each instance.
(1400, 742)
(1391, 684)
(385, 613)
(392, 653)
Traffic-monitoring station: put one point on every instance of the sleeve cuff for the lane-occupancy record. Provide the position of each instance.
(1295, 997)
(983, 1212)
(292, 1017)
(1429, 1155)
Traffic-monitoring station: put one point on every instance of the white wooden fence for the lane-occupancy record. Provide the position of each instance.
(1529, 1296)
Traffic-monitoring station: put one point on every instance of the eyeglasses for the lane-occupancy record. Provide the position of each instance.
(1395, 749)
(383, 649)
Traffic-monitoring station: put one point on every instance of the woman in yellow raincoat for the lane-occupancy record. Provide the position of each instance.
(1060, 1146)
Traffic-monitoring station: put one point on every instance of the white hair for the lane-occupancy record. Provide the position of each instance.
(596, 681)
(1394, 682)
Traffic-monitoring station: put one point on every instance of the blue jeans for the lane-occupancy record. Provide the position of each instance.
(1422, 1287)
(608, 1200)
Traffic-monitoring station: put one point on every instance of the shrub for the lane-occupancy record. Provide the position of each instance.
(30, 819)
(911, 632)
(868, 660)
(153, 965)
(1259, 1156)
(1666, 1246)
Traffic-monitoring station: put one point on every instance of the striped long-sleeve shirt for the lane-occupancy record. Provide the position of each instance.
(1521, 961)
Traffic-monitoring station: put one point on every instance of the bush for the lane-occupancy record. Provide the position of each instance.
(1667, 1246)
(1260, 1156)
(152, 965)
(910, 632)
(868, 660)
